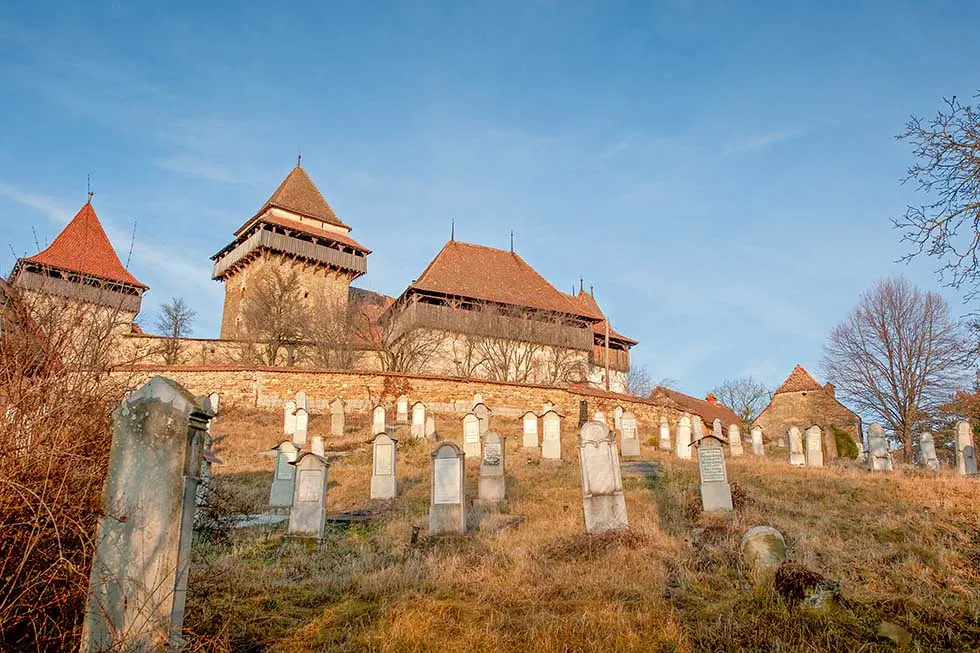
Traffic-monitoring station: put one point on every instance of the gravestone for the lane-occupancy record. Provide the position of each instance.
(138, 580)
(618, 418)
(546, 407)
(301, 401)
(664, 434)
(966, 453)
(378, 424)
(735, 440)
(283, 476)
(477, 399)
(337, 417)
(384, 484)
(401, 410)
(492, 486)
(213, 399)
(289, 418)
(603, 502)
(471, 436)
(716, 492)
(758, 446)
(583, 412)
(482, 413)
(430, 427)
(418, 420)
(551, 435)
(316, 445)
(927, 452)
(530, 423)
(814, 447)
(878, 457)
(600, 416)
(302, 427)
(796, 455)
(308, 515)
(447, 509)
(630, 440)
(683, 440)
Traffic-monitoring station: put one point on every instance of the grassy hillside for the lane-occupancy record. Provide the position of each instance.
(905, 548)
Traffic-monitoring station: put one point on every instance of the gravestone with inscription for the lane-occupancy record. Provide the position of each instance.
(716, 492)
(308, 515)
(384, 484)
(482, 413)
(878, 457)
(735, 440)
(337, 416)
(758, 446)
(289, 418)
(814, 447)
(493, 485)
(630, 441)
(796, 455)
(418, 420)
(284, 476)
(529, 422)
(603, 502)
(683, 440)
(966, 453)
(447, 509)
(551, 435)
(927, 452)
(378, 420)
(401, 409)
(302, 427)
(664, 442)
(471, 436)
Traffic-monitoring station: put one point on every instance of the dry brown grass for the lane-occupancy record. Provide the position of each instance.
(903, 546)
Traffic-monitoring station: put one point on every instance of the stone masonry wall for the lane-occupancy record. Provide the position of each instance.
(804, 409)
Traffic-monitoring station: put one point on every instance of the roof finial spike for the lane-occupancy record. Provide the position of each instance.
(592, 291)
(511, 241)
(581, 284)
(452, 230)
(88, 187)
(299, 159)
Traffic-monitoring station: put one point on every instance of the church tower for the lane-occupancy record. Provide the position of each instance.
(294, 231)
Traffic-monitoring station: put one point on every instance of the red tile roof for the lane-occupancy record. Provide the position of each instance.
(298, 194)
(799, 380)
(341, 238)
(83, 247)
(706, 410)
(588, 303)
(494, 275)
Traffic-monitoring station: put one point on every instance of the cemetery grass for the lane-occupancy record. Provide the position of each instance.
(905, 548)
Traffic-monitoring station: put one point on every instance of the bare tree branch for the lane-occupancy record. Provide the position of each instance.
(745, 396)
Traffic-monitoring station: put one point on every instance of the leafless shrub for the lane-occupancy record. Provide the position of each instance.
(174, 322)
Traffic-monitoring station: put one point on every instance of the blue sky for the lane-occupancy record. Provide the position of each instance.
(722, 173)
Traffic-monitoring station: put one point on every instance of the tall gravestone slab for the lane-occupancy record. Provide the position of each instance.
(551, 436)
(401, 409)
(482, 413)
(418, 420)
(213, 399)
(302, 427)
(447, 509)
(716, 491)
(600, 416)
(384, 483)
(878, 456)
(492, 486)
(630, 440)
(283, 476)
(664, 442)
(735, 440)
(814, 447)
(138, 582)
(337, 416)
(471, 436)
(603, 502)
(548, 405)
(430, 426)
(316, 445)
(378, 420)
(966, 453)
(308, 515)
(618, 418)
(796, 454)
(289, 418)
(758, 446)
(301, 401)
(529, 422)
(927, 452)
(583, 412)
(477, 399)
(683, 440)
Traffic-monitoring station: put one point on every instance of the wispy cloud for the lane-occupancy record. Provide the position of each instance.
(198, 168)
(46, 206)
(764, 141)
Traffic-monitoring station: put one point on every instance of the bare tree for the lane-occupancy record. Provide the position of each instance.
(408, 352)
(897, 357)
(639, 383)
(332, 334)
(947, 169)
(745, 396)
(174, 321)
(276, 315)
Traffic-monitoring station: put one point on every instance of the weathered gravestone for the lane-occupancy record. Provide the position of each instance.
(477, 399)
(378, 424)
(283, 476)
(289, 418)
(213, 399)
(308, 515)
(927, 452)
(630, 440)
(716, 430)
(492, 486)
(302, 427)
(878, 457)
(618, 418)
(384, 483)
(430, 427)
(529, 421)
(548, 405)
(814, 447)
(138, 582)
(600, 416)
(796, 455)
(763, 550)
(418, 420)
(551, 435)
(603, 502)
(316, 445)
(716, 492)
(337, 417)
(664, 434)
(482, 413)
(471, 436)
(583, 412)
(758, 445)
(447, 511)
(301, 401)
(966, 453)
(401, 410)
(735, 440)
(683, 440)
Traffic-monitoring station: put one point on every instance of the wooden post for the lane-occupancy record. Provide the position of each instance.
(607, 355)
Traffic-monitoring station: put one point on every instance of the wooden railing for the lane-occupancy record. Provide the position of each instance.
(116, 297)
(619, 360)
(289, 245)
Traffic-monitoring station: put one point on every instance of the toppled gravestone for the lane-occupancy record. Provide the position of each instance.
(763, 549)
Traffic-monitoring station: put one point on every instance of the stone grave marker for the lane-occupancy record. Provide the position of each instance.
(493, 485)
(530, 423)
(716, 492)
(796, 455)
(471, 435)
(138, 582)
(618, 418)
(878, 457)
(583, 412)
(477, 399)
(302, 427)
(551, 435)
(664, 442)
(735, 440)
(683, 440)
(430, 427)
(447, 510)
(337, 416)
(630, 440)
(384, 483)
(548, 405)
(966, 453)
(316, 445)
(927, 451)
(214, 398)
(758, 446)
(301, 401)
(814, 447)
(308, 515)
(378, 424)
(418, 420)
(289, 418)
(600, 416)
(283, 476)
(603, 502)
(482, 413)
(401, 409)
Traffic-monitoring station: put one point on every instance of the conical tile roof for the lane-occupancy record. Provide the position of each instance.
(298, 194)
(799, 380)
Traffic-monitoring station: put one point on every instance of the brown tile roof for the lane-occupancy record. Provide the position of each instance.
(83, 247)
(494, 275)
(297, 193)
(343, 239)
(588, 302)
(706, 410)
(799, 380)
